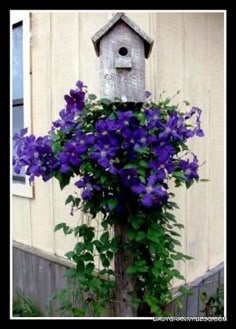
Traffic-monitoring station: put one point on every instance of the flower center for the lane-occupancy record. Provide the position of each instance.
(143, 140)
(103, 154)
(89, 186)
(168, 130)
(82, 142)
(188, 172)
(149, 189)
(126, 123)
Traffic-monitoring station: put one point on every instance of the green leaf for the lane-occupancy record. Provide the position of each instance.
(135, 221)
(180, 255)
(104, 237)
(114, 245)
(130, 166)
(92, 97)
(76, 230)
(69, 199)
(138, 267)
(155, 272)
(186, 103)
(56, 146)
(172, 204)
(135, 303)
(179, 175)
(140, 236)
(177, 274)
(179, 225)
(131, 234)
(189, 183)
(143, 163)
(112, 204)
(112, 116)
(67, 230)
(109, 255)
(59, 226)
(169, 216)
(153, 303)
(174, 233)
(185, 291)
(105, 101)
(103, 179)
(88, 257)
(141, 172)
(80, 266)
(79, 247)
(90, 267)
(77, 202)
(70, 255)
(89, 246)
(104, 260)
(142, 150)
(152, 235)
(98, 244)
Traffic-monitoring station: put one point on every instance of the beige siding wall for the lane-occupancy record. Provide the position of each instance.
(188, 54)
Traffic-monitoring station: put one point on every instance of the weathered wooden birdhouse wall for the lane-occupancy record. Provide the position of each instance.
(122, 63)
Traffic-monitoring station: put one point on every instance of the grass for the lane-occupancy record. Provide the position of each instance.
(23, 306)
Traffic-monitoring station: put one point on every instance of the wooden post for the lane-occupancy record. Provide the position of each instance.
(122, 47)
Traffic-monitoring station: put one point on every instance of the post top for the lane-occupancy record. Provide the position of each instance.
(148, 42)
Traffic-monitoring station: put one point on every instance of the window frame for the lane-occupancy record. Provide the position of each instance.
(23, 189)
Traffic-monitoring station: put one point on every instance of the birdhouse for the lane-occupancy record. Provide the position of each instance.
(122, 47)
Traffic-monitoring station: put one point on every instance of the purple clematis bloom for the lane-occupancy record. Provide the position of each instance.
(128, 177)
(103, 155)
(70, 156)
(195, 110)
(142, 138)
(124, 118)
(190, 169)
(153, 118)
(151, 194)
(89, 187)
(104, 127)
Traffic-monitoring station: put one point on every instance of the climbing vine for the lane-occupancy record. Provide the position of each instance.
(124, 156)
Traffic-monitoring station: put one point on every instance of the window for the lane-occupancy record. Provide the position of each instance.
(20, 87)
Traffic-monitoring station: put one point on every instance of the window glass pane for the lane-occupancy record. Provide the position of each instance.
(18, 122)
(18, 118)
(17, 65)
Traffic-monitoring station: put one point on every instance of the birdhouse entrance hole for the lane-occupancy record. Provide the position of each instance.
(123, 51)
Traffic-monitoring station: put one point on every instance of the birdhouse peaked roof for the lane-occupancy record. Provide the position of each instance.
(148, 42)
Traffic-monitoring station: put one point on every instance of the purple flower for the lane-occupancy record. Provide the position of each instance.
(195, 110)
(124, 118)
(88, 186)
(190, 169)
(70, 156)
(104, 155)
(142, 138)
(151, 194)
(153, 118)
(147, 94)
(128, 177)
(104, 127)
(36, 155)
